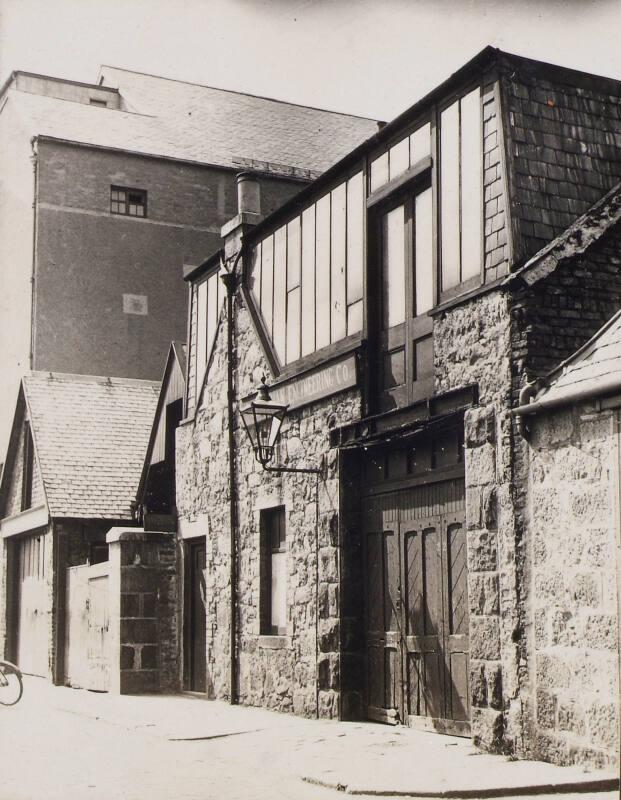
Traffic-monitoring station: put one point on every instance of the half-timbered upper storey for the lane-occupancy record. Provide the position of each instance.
(439, 205)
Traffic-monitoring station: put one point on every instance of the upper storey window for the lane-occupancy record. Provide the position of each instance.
(129, 202)
(403, 290)
(306, 277)
(461, 191)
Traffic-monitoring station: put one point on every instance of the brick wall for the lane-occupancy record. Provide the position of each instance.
(87, 258)
(560, 313)
(572, 543)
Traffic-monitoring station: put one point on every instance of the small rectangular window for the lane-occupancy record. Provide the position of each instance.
(273, 591)
(95, 101)
(129, 202)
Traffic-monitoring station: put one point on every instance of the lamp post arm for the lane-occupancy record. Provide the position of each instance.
(307, 470)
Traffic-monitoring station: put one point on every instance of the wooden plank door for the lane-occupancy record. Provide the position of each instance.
(416, 608)
(33, 606)
(76, 627)
(456, 638)
(383, 612)
(196, 634)
(98, 636)
(436, 610)
(424, 612)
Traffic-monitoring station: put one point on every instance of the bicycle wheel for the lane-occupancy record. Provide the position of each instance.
(10, 684)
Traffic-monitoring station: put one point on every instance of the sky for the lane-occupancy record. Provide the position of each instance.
(368, 57)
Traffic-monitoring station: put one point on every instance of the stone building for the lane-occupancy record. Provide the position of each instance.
(399, 304)
(109, 189)
(87, 599)
(572, 426)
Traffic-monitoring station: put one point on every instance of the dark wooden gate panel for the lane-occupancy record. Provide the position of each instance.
(383, 618)
(456, 639)
(417, 607)
(196, 622)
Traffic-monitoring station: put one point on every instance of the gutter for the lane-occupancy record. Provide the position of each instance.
(528, 408)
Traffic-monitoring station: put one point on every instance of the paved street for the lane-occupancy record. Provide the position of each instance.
(63, 744)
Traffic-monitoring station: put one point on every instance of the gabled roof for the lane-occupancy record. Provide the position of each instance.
(177, 357)
(90, 435)
(592, 371)
(575, 240)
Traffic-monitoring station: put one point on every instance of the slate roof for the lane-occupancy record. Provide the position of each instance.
(592, 371)
(564, 148)
(242, 129)
(90, 436)
(193, 123)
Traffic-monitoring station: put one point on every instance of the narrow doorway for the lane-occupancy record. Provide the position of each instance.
(195, 617)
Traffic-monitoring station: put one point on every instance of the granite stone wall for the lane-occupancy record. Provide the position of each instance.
(275, 671)
(472, 345)
(573, 590)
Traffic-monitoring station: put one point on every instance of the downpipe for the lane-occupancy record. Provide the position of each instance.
(230, 280)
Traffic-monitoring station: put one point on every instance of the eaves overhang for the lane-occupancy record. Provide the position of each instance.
(403, 423)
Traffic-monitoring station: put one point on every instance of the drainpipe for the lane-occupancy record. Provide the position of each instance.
(230, 281)
(249, 207)
(527, 392)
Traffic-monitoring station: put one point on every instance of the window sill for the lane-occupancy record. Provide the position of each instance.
(273, 642)
(481, 288)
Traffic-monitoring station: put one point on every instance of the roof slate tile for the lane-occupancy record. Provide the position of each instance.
(90, 435)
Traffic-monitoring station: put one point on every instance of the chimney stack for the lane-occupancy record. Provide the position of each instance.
(248, 213)
(248, 193)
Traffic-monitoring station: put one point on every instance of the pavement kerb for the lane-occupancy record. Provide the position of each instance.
(575, 787)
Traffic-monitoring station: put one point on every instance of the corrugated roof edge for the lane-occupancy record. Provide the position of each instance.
(488, 56)
(538, 403)
(233, 91)
(576, 239)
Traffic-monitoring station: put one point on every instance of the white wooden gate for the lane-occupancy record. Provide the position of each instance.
(87, 643)
(34, 602)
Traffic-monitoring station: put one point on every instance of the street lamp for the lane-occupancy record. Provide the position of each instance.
(263, 418)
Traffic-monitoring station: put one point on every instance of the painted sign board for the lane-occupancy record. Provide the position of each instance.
(317, 383)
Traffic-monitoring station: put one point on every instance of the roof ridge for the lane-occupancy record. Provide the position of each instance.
(74, 377)
(237, 91)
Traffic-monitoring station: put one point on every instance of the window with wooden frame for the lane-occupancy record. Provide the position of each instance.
(273, 573)
(128, 202)
(461, 194)
(28, 469)
(402, 291)
(305, 278)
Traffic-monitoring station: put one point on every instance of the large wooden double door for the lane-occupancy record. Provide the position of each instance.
(416, 612)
